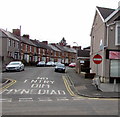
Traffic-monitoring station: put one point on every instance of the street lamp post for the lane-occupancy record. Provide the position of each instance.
(76, 43)
(77, 47)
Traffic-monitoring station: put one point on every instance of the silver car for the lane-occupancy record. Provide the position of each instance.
(50, 63)
(15, 66)
(41, 63)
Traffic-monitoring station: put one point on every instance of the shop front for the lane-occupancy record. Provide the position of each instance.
(114, 58)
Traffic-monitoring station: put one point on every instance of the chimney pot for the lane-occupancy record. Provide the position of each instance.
(68, 46)
(53, 44)
(26, 36)
(16, 32)
(45, 42)
(77, 47)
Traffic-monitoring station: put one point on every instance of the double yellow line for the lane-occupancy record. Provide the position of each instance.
(8, 85)
(68, 87)
(74, 95)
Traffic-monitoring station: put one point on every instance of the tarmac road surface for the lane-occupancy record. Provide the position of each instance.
(41, 91)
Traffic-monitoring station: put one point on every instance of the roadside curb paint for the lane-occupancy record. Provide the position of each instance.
(78, 95)
(7, 85)
(68, 86)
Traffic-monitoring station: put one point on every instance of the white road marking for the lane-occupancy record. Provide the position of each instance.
(48, 99)
(78, 98)
(62, 99)
(6, 100)
(25, 99)
(25, 81)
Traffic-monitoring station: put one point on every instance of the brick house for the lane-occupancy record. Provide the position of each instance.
(105, 41)
(44, 51)
(56, 53)
(28, 50)
(10, 47)
(68, 54)
(83, 60)
(31, 51)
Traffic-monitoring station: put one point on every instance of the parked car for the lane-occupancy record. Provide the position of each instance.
(41, 63)
(50, 63)
(60, 68)
(15, 66)
(72, 64)
(56, 63)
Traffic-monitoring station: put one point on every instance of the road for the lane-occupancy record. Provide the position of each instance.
(41, 91)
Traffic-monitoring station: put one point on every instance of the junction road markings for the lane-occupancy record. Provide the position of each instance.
(62, 99)
(7, 86)
(47, 99)
(6, 100)
(25, 99)
(40, 85)
(78, 98)
(68, 87)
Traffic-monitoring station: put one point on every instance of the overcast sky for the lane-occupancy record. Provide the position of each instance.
(53, 19)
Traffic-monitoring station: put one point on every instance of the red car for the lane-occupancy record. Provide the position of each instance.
(72, 64)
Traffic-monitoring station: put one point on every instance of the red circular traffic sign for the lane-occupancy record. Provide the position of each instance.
(97, 59)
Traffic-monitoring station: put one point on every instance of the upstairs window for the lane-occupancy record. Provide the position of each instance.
(117, 34)
(13, 43)
(35, 50)
(17, 45)
(10, 42)
(26, 47)
(39, 50)
(30, 49)
(43, 51)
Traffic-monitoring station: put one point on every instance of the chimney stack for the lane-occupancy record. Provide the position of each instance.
(68, 46)
(53, 44)
(77, 47)
(26, 36)
(45, 42)
(16, 32)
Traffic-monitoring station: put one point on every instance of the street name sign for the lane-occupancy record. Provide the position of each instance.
(97, 59)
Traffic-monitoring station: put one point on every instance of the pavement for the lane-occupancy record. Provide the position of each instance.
(85, 87)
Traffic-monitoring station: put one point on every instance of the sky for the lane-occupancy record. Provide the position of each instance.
(51, 20)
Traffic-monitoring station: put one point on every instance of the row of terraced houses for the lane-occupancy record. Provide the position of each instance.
(17, 47)
(105, 41)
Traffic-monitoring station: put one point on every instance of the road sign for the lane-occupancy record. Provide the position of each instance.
(97, 59)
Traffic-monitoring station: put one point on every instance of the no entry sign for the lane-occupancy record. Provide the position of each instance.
(97, 59)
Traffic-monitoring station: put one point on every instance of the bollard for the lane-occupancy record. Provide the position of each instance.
(114, 86)
(96, 82)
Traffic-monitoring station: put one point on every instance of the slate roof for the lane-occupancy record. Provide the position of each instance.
(54, 48)
(83, 53)
(66, 49)
(105, 12)
(8, 34)
(25, 40)
(117, 19)
(40, 44)
(3, 35)
(70, 49)
(28, 41)
(88, 48)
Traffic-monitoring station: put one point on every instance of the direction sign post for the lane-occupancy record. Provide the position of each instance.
(97, 59)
